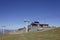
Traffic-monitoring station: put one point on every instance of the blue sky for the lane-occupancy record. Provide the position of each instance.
(13, 12)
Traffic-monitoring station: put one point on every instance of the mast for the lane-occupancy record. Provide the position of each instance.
(26, 21)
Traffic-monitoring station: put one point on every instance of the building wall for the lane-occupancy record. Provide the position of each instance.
(33, 28)
(44, 26)
(35, 25)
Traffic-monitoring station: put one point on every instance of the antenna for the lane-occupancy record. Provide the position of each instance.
(36, 18)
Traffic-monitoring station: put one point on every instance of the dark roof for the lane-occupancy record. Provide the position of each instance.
(36, 22)
(44, 24)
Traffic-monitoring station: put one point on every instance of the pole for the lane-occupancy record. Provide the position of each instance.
(26, 22)
(3, 31)
(26, 27)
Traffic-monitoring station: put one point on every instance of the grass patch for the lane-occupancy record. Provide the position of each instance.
(53, 34)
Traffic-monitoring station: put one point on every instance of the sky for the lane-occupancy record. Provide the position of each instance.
(13, 12)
